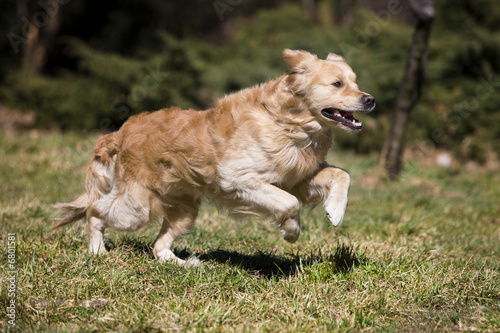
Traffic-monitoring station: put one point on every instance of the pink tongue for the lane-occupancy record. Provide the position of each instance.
(345, 114)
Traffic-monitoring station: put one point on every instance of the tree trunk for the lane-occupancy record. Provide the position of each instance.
(311, 8)
(410, 88)
(42, 28)
(344, 12)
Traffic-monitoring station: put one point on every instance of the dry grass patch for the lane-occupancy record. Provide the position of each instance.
(411, 256)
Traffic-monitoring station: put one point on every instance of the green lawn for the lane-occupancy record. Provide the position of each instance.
(418, 255)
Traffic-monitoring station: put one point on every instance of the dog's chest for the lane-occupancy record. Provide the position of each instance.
(276, 156)
(293, 163)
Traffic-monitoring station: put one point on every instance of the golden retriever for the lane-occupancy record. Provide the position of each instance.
(260, 150)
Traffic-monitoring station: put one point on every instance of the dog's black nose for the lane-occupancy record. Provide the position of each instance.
(368, 99)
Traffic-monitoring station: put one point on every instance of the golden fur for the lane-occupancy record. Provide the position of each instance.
(260, 151)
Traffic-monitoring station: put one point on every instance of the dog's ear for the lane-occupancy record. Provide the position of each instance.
(335, 57)
(298, 61)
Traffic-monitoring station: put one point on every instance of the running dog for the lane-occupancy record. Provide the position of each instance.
(260, 150)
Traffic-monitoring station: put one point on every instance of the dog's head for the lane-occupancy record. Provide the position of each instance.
(328, 88)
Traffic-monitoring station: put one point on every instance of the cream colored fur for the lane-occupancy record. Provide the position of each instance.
(259, 151)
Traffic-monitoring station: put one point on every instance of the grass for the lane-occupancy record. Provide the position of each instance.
(417, 255)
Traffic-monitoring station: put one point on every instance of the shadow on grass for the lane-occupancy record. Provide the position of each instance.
(267, 265)
(344, 259)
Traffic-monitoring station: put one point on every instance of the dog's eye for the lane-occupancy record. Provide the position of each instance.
(337, 84)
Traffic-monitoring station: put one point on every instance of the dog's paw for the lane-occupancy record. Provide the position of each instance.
(335, 210)
(290, 230)
(193, 262)
(168, 256)
(97, 250)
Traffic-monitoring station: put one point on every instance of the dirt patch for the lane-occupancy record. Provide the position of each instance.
(12, 119)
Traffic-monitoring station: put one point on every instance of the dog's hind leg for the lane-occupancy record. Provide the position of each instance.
(177, 221)
(95, 234)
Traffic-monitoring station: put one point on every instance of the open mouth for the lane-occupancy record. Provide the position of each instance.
(343, 117)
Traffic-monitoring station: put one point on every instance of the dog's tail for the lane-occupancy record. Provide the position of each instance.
(75, 211)
(99, 181)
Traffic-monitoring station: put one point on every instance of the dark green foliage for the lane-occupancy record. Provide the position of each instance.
(458, 109)
(107, 88)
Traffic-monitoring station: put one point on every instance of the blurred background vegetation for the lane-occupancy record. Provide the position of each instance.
(88, 65)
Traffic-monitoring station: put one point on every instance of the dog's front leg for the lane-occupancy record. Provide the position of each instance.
(336, 203)
(269, 199)
(330, 186)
